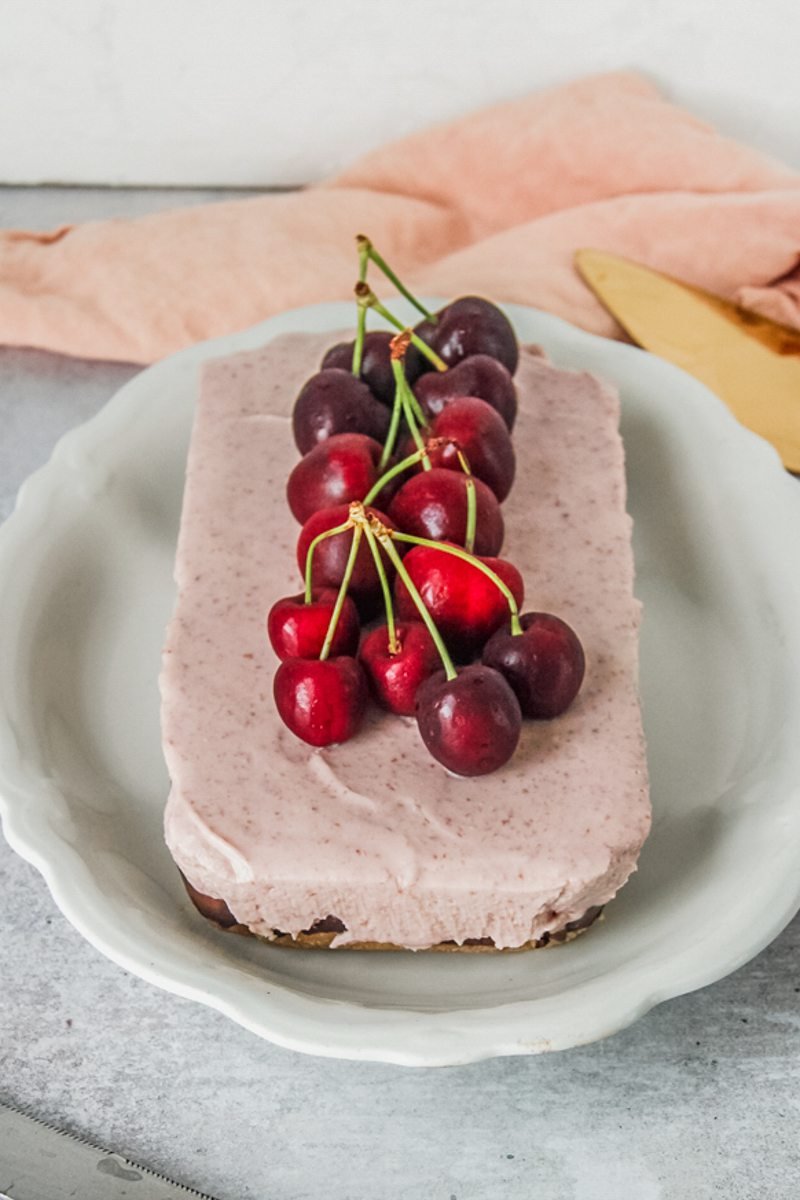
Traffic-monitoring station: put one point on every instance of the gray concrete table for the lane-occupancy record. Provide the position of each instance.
(699, 1099)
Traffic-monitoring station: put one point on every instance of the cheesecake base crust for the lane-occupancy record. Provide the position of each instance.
(322, 933)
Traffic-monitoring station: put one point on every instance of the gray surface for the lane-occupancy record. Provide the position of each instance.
(699, 1099)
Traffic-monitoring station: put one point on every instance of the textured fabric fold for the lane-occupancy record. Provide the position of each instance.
(495, 202)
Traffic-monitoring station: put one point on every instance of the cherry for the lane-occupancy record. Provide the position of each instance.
(433, 505)
(297, 629)
(334, 401)
(544, 664)
(395, 677)
(471, 325)
(479, 375)
(376, 367)
(330, 557)
(209, 906)
(473, 426)
(321, 702)
(470, 724)
(465, 604)
(342, 468)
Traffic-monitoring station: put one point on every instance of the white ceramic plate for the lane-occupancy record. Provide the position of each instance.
(86, 590)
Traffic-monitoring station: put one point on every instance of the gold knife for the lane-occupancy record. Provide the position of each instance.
(752, 363)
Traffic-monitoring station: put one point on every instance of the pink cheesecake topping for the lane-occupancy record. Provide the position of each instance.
(375, 832)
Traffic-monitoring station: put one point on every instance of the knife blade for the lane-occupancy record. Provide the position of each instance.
(40, 1162)
(752, 363)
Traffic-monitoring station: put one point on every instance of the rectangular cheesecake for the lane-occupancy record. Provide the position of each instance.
(372, 843)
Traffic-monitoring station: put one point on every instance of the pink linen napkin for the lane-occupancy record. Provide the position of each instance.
(495, 203)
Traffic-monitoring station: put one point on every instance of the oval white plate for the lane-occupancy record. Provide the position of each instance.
(86, 590)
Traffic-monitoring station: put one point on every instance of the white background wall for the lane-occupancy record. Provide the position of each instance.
(269, 92)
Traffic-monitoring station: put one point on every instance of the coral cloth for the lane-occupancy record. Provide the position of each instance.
(495, 203)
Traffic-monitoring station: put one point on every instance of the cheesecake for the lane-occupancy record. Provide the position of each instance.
(373, 844)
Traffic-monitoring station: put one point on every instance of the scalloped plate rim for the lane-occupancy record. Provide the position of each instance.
(402, 1036)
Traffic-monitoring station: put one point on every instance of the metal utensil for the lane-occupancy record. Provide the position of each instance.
(40, 1162)
(752, 363)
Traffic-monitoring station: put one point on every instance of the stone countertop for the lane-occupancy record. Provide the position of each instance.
(699, 1099)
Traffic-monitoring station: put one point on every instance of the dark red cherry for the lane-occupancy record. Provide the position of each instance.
(433, 505)
(465, 604)
(211, 907)
(330, 558)
(471, 325)
(336, 471)
(470, 724)
(321, 702)
(376, 365)
(297, 629)
(395, 678)
(479, 375)
(544, 665)
(473, 426)
(334, 401)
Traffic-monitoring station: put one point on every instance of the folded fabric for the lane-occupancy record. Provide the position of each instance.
(494, 203)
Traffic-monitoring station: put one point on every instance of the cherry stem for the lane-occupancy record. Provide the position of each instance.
(394, 644)
(472, 515)
(366, 247)
(416, 407)
(367, 297)
(404, 391)
(457, 552)
(361, 319)
(340, 599)
(358, 344)
(397, 469)
(447, 662)
(391, 437)
(472, 500)
(326, 533)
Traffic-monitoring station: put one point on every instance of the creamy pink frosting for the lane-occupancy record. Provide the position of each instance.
(374, 831)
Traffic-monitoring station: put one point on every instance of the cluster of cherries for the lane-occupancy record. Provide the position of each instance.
(407, 456)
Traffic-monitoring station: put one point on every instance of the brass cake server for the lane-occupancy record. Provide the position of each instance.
(752, 363)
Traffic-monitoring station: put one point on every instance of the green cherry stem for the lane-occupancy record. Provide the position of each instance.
(397, 469)
(416, 407)
(391, 437)
(358, 344)
(340, 599)
(394, 644)
(457, 552)
(361, 317)
(365, 246)
(326, 533)
(367, 297)
(472, 501)
(447, 662)
(404, 392)
(472, 516)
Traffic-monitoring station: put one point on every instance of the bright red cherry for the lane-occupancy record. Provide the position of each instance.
(544, 665)
(395, 678)
(479, 375)
(470, 724)
(336, 471)
(473, 426)
(465, 604)
(330, 557)
(471, 325)
(376, 366)
(334, 401)
(433, 505)
(298, 630)
(321, 702)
